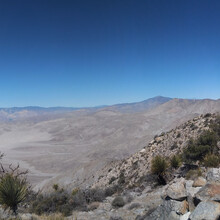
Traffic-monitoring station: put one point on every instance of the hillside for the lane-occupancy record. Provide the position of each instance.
(129, 190)
(166, 144)
(71, 148)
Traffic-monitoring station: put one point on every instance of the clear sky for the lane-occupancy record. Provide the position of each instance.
(94, 52)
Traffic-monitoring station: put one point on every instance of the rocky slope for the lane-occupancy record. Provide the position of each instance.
(138, 196)
(181, 199)
(166, 144)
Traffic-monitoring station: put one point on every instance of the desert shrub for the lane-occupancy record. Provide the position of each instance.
(79, 200)
(55, 187)
(178, 135)
(75, 191)
(110, 191)
(65, 202)
(215, 126)
(121, 179)
(211, 160)
(175, 161)
(193, 174)
(118, 202)
(13, 191)
(208, 138)
(173, 146)
(207, 115)
(58, 201)
(158, 165)
(197, 149)
(113, 178)
(94, 195)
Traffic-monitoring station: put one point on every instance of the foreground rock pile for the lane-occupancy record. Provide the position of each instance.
(181, 199)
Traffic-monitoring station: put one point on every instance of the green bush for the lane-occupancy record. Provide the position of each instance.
(113, 178)
(198, 149)
(208, 138)
(13, 191)
(158, 165)
(61, 201)
(175, 161)
(215, 126)
(193, 174)
(55, 187)
(118, 202)
(211, 160)
(121, 179)
(174, 146)
(56, 201)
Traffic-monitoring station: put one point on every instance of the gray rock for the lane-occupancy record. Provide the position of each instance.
(206, 210)
(210, 191)
(169, 210)
(177, 190)
(213, 175)
(190, 190)
(190, 203)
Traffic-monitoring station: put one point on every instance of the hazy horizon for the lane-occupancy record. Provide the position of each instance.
(103, 105)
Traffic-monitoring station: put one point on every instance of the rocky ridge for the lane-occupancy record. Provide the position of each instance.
(136, 167)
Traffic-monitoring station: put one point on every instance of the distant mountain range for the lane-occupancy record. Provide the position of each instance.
(42, 113)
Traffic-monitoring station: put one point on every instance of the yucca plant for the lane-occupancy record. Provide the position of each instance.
(13, 191)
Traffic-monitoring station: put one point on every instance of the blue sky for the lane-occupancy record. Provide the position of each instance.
(94, 52)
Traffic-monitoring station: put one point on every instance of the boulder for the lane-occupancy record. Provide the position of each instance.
(213, 175)
(169, 210)
(190, 203)
(190, 190)
(206, 210)
(210, 191)
(200, 181)
(177, 191)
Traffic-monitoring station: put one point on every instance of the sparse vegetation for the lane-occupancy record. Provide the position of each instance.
(198, 149)
(211, 160)
(61, 201)
(174, 146)
(13, 191)
(118, 202)
(175, 161)
(159, 165)
(121, 179)
(193, 174)
(55, 187)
